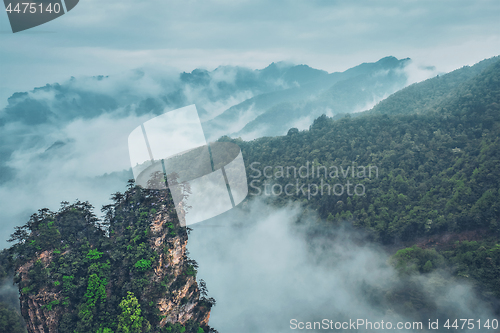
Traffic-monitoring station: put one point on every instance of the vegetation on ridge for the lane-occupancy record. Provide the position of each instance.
(106, 284)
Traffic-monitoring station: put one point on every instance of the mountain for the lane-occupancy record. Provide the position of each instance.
(29, 116)
(298, 82)
(421, 180)
(423, 96)
(141, 91)
(72, 277)
(371, 83)
(453, 148)
(429, 178)
(273, 113)
(228, 98)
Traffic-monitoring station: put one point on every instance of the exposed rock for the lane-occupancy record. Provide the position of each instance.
(171, 272)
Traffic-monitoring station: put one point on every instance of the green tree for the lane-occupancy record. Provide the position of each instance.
(130, 320)
(10, 320)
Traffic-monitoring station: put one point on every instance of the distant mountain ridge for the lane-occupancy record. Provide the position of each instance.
(92, 96)
(270, 114)
(230, 100)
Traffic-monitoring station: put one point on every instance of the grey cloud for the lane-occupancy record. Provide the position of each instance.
(77, 147)
(264, 269)
(108, 37)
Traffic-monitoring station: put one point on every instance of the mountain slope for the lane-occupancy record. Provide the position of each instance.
(423, 96)
(74, 278)
(335, 93)
(371, 83)
(430, 178)
(437, 172)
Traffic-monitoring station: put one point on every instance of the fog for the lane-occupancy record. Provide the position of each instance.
(264, 269)
(78, 153)
(9, 294)
(79, 150)
(85, 160)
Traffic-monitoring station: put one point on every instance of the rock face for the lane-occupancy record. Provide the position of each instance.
(34, 308)
(73, 277)
(37, 318)
(181, 305)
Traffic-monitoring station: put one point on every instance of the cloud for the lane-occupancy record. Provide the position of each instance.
(9, 293)
(370, 104)
(80, 149)
(84, 159)
(108, 38)
(418, 72)
(264, 269)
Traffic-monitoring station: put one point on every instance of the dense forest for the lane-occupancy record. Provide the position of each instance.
(422, 96)
(435, 172)
(72, 277)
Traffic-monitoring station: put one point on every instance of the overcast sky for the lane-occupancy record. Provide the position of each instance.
(107, 37)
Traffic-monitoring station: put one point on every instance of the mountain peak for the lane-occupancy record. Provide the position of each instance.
(392, 61)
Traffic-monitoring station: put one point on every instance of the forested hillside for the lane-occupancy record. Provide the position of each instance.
(73, 278)
(423, 96)
(438, 175)
(437, 171)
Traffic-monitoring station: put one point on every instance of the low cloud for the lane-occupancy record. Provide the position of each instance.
(264, 269)
(80, 149)
(85, 159)
(9, 293)
(417, 72)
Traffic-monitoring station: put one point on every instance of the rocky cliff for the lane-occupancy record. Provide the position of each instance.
(129, 273)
